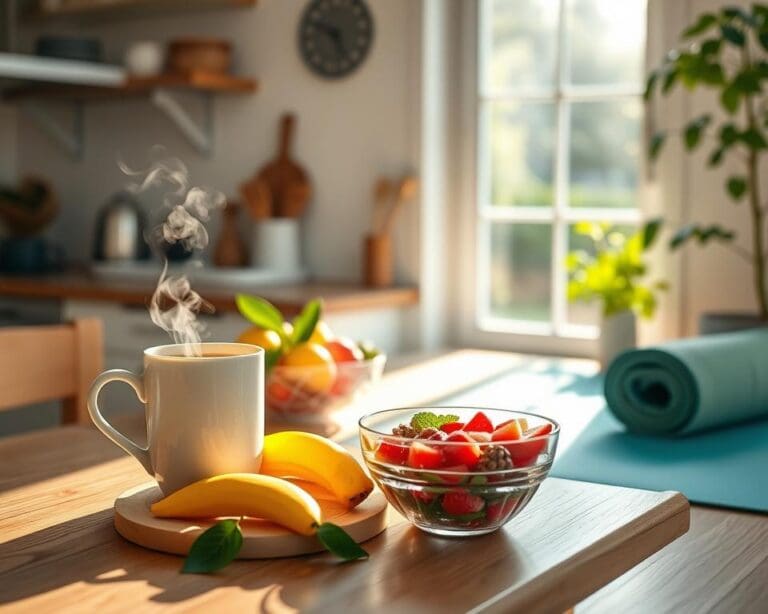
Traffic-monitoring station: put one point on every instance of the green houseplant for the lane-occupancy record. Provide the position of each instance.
(612, 272)
(725, 52)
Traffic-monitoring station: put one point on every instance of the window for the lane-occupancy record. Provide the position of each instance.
(559, 141)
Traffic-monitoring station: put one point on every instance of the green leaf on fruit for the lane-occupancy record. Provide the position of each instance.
(478, 480)
(304, 323)
(427, 419)
(271, 358)
(369, 350)
(338, 542)
(260, 312)
(215, 548)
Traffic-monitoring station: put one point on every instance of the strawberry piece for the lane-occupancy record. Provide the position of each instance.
(498, 510)
(523, 422)
(468, 453)
(461, 502)
(509, 432)
(421, 456)
(450, 427)
(393, 453)
(479, 422)
(454, 479)
(525, 452)
(424, 497)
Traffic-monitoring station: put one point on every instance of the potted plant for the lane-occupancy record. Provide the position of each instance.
(725, 52)
(612, 273)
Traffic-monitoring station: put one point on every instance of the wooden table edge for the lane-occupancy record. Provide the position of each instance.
(653, 532)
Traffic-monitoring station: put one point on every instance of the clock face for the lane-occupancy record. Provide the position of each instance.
(335, 36)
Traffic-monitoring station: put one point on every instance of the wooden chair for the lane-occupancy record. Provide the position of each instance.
(46, 363)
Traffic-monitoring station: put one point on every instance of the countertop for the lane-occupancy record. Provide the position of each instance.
(288, 298)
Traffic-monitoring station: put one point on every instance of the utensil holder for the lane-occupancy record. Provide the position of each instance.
(377, 270)
(277, 245)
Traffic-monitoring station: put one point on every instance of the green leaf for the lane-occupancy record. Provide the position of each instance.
(271, 358)
(733, 34)
(711, 46)
(215, 548)
(753, 138)
(730, 99)
(304, 323)
(716, 157)
(650, 231)
(369, 350)
(260, 312)
(701, 234)
(669, 80)
(736, 186)
(747, 82)
(729, 134)
(427, 419)
(654, 147)
(763, 39)
(693, 131)
(649, 84)
(338, 542)
(704, 23)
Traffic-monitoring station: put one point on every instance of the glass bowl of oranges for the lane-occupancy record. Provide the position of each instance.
(311, 372)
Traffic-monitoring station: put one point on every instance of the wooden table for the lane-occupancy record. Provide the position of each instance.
(60, 552)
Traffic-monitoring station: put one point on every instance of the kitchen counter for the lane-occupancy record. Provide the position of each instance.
(288, 298)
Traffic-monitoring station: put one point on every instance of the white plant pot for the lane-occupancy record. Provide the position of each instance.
(277, 245)
(617, 334)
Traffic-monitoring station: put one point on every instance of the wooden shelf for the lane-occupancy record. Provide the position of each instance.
(108, 9)
(288, 298)
(133, 86)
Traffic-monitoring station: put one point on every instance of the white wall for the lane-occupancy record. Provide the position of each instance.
(348, 132)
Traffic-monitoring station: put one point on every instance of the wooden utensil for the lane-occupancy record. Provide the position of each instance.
(257, 198)
(406, 191)
(381, 191)
(288, 183)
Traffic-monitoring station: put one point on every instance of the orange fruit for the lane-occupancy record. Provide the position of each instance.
(267, 339)
(321, 369)
(322, 333)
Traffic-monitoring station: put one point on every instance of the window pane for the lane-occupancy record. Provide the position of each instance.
(521, 271)
(605, 41)
(604, 153)
(589, 313)
(523, 46)
(522, 139)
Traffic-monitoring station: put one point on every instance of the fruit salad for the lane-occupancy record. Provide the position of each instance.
(460, 475)
(310, 369)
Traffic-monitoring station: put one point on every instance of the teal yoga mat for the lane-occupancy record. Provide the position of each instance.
(691, 385)
(726, 467)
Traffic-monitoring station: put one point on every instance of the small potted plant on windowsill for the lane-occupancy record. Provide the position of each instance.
(613, 273)
(726, 52)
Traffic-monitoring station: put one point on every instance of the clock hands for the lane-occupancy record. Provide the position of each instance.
(334, 34)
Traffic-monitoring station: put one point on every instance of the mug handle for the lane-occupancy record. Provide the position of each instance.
(135, 382)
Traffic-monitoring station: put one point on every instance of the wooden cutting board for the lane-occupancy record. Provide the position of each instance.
(261, 539)
(281, 188)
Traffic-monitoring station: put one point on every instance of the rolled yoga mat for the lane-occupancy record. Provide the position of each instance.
(692, 384)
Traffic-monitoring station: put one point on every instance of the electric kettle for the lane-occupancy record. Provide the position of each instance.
(120, 228)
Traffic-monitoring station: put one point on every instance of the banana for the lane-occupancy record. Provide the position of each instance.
(316, 459)
(244, 494)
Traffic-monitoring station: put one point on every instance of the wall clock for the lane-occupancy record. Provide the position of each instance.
(335, 36)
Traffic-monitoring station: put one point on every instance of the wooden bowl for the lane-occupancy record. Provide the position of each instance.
(186, 55)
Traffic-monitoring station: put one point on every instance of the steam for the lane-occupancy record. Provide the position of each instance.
(175, 305)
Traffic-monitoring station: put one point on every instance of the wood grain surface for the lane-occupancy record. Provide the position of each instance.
(60, 551)
(288, 298)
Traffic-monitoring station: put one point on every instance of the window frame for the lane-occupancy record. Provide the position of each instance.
(474, 326)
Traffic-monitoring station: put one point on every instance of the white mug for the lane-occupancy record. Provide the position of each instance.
(205, 415)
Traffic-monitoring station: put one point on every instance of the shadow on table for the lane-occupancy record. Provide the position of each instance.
(405, 571)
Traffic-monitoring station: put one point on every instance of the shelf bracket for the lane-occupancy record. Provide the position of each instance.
(199, 134)
(70, 138)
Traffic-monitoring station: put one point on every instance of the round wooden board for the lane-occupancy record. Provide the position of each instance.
(261, 539)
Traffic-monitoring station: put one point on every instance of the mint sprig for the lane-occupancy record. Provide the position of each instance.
(426, 419)
(215, 548)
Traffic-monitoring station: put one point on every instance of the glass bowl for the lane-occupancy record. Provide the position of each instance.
(303, 394)
(440, 486)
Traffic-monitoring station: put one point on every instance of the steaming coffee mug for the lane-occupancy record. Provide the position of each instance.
(205, 415)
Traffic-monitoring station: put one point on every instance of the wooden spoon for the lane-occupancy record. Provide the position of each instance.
(406, 191)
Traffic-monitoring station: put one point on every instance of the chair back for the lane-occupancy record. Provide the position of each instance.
(46, 363)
